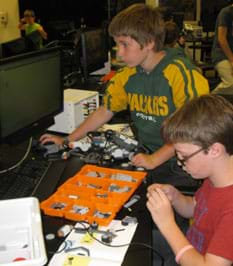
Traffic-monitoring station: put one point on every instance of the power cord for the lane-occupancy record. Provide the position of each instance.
(21, 160)
(89, 231)
(86, 227)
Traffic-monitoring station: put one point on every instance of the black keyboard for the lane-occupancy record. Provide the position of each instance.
(25, 179)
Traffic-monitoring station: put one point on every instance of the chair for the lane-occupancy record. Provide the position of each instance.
(33, 41)
(70, 57)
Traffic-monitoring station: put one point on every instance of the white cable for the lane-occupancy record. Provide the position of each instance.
(21, 160)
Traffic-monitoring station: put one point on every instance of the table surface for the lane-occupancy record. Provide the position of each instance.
(137, 254)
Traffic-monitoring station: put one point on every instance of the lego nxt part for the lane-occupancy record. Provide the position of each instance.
(129, 220)
(78, 104)
(112, 144)
(132, 201)
(64, 230)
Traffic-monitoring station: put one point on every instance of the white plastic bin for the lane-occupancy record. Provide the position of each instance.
(21, 233)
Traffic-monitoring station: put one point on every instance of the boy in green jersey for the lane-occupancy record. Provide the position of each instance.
(155, 82)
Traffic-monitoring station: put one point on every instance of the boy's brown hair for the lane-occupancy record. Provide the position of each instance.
(203, 121)
(171, 34)
(29, 13)
(142, 23)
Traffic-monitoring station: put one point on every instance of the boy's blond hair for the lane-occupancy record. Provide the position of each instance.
(142, 23)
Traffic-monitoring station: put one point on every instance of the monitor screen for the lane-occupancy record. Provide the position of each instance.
(29, 43)
(14, 47)
(94, 50)
(31, 93)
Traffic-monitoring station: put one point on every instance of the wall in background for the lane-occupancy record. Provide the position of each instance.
(9, 31)
(153, 3)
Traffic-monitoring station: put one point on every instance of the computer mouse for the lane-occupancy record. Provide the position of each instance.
(45, 146)
(48, 143)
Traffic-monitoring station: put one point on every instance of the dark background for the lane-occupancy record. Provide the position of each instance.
(187, 9)
(210, 10)
(59, 16)
(93, 12)
(63, 15)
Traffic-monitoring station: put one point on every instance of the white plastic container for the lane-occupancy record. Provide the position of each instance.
(78, 104)
(21, 233)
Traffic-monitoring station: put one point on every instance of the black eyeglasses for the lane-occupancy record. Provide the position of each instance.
(186, 158)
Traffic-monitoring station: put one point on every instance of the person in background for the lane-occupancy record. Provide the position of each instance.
(152, 86)
(28, 24)
(182, 38)
(222, 50)
(172, 32)
(201, 134)
(175, 38)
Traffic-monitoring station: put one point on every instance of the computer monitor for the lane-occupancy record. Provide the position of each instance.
(13, 47)
(94, 51)
(29, 43)
(31, 93)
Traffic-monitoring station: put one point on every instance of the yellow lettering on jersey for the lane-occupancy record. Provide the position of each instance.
(163, 107)
(134, 102)
(148, 105)
(142, 103)
(155, 105)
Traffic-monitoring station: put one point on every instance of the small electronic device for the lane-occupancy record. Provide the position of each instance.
(132, 201)
(78, 104)
(104, 147)
(107, 237)
(129, 220)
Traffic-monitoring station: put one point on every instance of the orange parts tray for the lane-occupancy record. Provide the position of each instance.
(93, 194)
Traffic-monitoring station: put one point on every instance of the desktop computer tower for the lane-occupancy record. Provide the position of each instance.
(78, 104)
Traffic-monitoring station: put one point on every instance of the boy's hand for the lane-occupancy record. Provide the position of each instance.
(22, 23)
(22, 20)
(160, 208)
(51, 138)
(170, 191)
(143, 160)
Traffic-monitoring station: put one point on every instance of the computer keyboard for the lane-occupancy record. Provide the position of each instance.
(23, 180)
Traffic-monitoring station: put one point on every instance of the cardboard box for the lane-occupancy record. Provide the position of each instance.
(21, 233)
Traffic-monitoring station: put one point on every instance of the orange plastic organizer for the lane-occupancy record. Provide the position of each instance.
(93, 194)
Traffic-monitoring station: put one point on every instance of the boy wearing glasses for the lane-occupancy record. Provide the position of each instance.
(201, 133)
